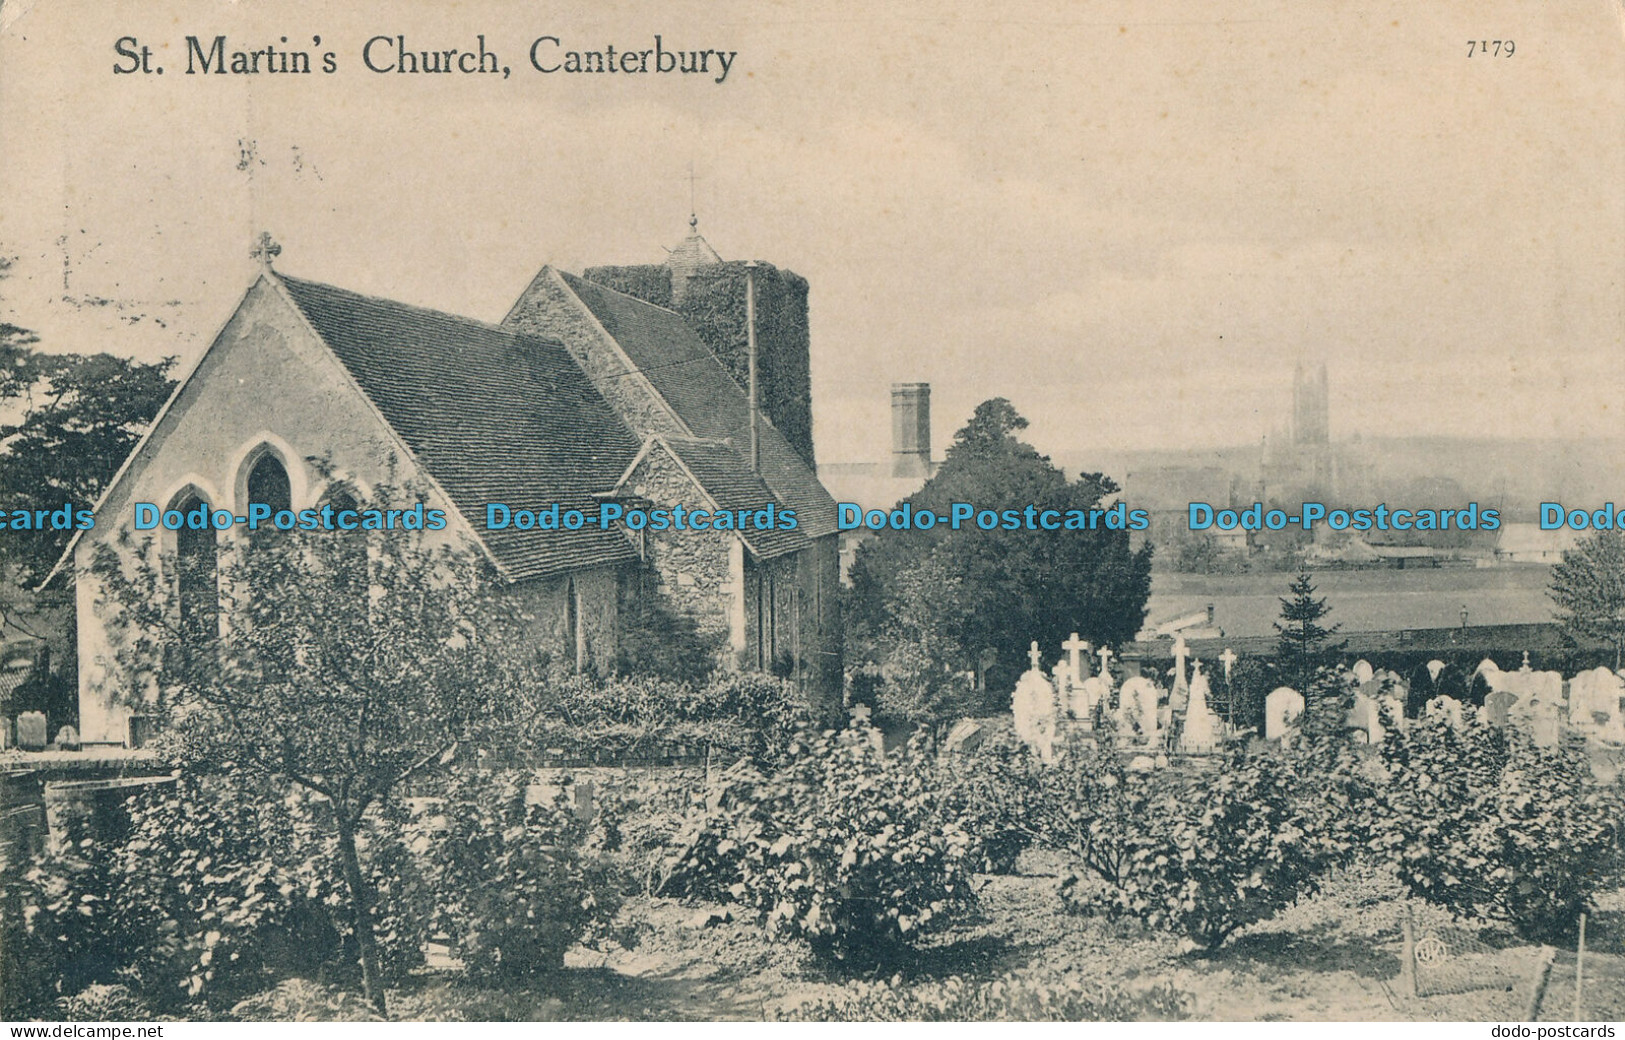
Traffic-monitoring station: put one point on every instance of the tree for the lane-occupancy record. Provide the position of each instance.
(1588, 587)
(1303, 643)
(349, 665)
(1008, 587)
(74, 418)
(930, 621)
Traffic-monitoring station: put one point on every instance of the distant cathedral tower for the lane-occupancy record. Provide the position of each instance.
(1311, 427)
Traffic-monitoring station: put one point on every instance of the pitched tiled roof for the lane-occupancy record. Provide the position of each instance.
(694, 384)
(734, 487)
(494, 416)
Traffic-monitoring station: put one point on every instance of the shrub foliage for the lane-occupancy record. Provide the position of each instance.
(846, 847)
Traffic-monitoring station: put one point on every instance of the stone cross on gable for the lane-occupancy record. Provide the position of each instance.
(1035, 657)
(265, 250)
(1228, 659)
(1076, 648)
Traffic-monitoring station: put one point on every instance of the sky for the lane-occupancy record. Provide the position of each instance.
(1131, 219)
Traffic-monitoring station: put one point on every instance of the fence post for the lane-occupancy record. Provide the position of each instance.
(1579, 968)
(1537, 991)
(1407, 962)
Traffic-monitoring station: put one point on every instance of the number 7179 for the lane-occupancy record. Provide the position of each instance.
(1492, 48)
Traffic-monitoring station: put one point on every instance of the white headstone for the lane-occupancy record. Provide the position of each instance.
(1182, 652)
(67, 737)
(1435, 666)
(1282, 708)
(1594, 702)
(1137, 710)
(1078, 654)
(1228, 659)
(1365, 719)
(1105, 655)
(1087, 695)
(1032, 709)
(1363, 671)
(31, 731)
(1202, 727)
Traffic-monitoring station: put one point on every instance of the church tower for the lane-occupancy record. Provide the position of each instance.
(710, 292)
(1311, 427)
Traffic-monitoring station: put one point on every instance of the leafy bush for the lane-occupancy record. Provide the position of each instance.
(735, 713)
(992, 792)
(512, 885)
(60, 936)
(217, 889)
(1089, 805)
(1484, 823)
(104, 1003)
(1031, 996)
(846, 847)
(1212, 853)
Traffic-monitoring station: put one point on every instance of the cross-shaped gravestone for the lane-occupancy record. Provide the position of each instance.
(1525, 661)
(265, 250)
(1105, 654)
(1182, 651)
(1228, 659)
(1035, 656)
(860, 714)
(1076, 648)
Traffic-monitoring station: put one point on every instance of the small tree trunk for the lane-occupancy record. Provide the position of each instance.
(366, 942)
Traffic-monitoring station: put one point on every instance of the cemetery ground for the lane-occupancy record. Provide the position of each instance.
(1333, 957)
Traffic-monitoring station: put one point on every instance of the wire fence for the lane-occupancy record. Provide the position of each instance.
(1551, 984)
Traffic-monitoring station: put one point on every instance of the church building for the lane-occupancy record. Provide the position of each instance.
(631, 384)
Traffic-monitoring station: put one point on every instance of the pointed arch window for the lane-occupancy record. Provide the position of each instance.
(350, 567)
(268, 484)
(197, 576)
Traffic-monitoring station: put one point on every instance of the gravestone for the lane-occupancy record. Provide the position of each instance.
(1181, 654)
(1546, 724)
(1137, 710)
(67, 738)
(1283, 707)
(1088, 695)
(1032, 708)
(1594, 702)
(1364, 721)
(1363, 672)
(1202, 727)
(1078, 651)
(966, 736)
(31, 731)
(1498, 707)
(1434, 667)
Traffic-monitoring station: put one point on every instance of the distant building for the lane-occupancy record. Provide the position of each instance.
(1302, 467)
(1527, 543)
(883, 484)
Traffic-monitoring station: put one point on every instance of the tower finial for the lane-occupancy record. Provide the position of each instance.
(265, 249)
(693, 215)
